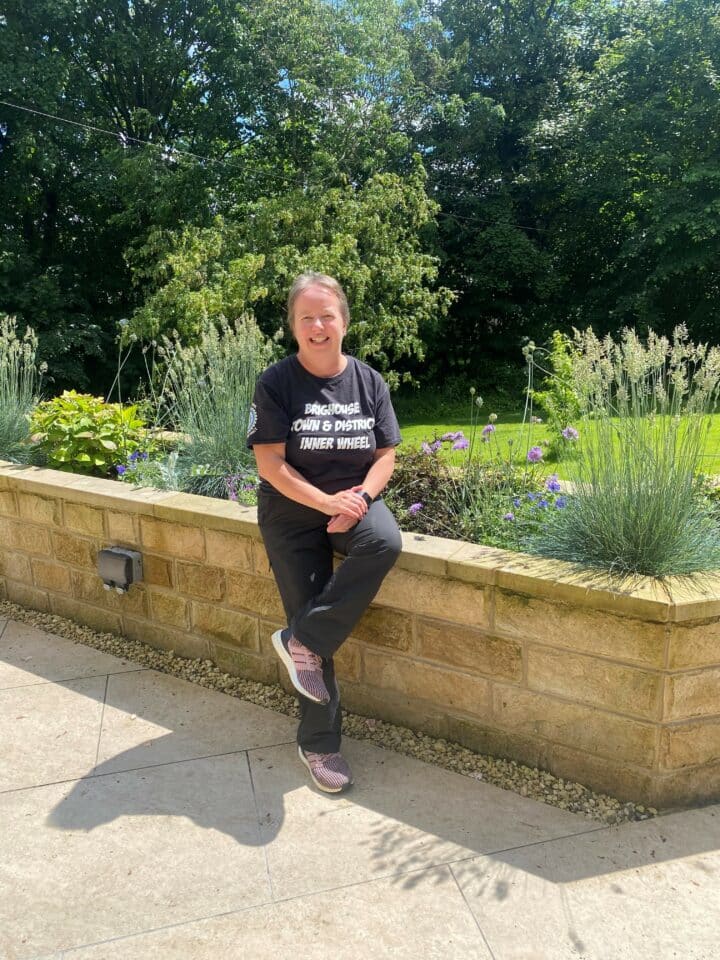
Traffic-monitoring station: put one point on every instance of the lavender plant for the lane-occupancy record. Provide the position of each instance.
(638, 504)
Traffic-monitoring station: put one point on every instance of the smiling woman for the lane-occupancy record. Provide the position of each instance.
(324, 433)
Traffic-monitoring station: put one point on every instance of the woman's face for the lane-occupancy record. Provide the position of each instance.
(317, 323)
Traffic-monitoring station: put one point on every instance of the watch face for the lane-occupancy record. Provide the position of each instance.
(366, 497)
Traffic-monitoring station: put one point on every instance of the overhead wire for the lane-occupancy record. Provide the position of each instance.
(169, 152)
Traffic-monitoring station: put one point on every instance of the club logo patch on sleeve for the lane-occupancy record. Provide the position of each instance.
(252, 419)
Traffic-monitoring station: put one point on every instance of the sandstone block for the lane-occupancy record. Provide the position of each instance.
(123, 528)
(51, 576)
(169, 608)
(83, 519)
(393, 707)
(165, 638)
(347, 661)
(74, 550)
(30, 538)
(601, 683)
(8, 504)
(261, 562)
(255, 594)
(690, 744)
(615, 777)
(15, 566)
(105, 621)
(3, 589)
(465, 603)
(692, 695)
(26, 596)
(176, 539)
(45, 510)
(87, 586)
(694, 645)
(157, 570)
(580, 629)
(242, 663)
(444, 688)
(690, 786)
(574, 725)
(476, 734)
(200, 580)
(384, 627)
(229, 626)
(229, 550)
(454, 645)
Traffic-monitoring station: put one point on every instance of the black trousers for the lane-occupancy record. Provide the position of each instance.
(322, 607)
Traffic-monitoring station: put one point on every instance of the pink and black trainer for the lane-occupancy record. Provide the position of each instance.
(329, 771)
(304, 667)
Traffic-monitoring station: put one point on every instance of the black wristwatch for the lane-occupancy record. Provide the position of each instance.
(366, 497)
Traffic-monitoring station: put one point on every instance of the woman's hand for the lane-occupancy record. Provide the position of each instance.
(340, 524)
(347, 503)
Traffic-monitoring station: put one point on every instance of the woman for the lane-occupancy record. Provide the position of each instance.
(324, 433)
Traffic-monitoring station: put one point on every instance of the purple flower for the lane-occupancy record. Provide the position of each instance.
(414, 508)
(133, 456)
(509, 516)
(517, 501)
(144, 456)
(535, 454)
(462, 444)
(120, 469)
(570, 433)
(553, 484)
(531, 496)
(561, 503)
(425, 447)
(434, 447)
(488, 429)
(457, 435)
(543, 504)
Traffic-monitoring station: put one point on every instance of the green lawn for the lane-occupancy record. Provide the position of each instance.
(509, 426)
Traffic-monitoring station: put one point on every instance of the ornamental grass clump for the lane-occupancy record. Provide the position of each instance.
(208, 392)
(20, 380)
(638, 504)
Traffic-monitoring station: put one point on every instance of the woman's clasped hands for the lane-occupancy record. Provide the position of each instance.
(348, 507)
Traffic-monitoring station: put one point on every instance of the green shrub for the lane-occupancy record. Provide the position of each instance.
(19, 385)
(558, 398)
(83, 434)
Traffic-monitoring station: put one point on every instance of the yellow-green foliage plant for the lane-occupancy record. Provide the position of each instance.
(83, 434)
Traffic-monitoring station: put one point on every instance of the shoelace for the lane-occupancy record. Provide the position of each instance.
(305, 658)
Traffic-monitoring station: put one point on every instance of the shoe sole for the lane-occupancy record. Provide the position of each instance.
(287, 660)
(317, 783)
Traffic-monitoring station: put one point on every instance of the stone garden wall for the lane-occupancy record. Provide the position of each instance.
(500, 652)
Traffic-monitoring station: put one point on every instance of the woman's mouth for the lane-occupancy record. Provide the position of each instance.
(319, 339)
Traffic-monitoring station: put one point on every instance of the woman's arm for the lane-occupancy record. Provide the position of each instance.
(273, 467)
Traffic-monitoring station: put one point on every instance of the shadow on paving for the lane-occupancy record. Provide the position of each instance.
(402, 814)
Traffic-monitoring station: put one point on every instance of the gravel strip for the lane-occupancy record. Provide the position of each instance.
(508, 774)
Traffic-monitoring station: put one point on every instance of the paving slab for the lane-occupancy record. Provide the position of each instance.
(29, 655)
(49, 731)
(640, 890)
(401, 815)
(112, 855)
(151, 717)
(383, 920)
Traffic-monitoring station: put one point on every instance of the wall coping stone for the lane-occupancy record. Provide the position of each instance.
(671, 600)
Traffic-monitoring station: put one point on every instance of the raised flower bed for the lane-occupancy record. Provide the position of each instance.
(526, 658)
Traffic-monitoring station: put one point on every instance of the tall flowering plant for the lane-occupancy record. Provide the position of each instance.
(637, 504)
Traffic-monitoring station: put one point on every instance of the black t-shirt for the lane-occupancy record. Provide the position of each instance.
(331, 426)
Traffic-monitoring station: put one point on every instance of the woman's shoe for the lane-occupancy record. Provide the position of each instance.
(304, 667)
(329, 771)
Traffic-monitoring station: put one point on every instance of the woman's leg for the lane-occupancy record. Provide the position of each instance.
(371, 548)
(301, 556)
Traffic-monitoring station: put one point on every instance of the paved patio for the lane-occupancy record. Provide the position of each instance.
(142, 816)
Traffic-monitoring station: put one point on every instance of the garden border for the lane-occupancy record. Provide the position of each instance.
(522, 657)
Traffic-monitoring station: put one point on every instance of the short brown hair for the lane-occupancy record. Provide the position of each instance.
(312, 279)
